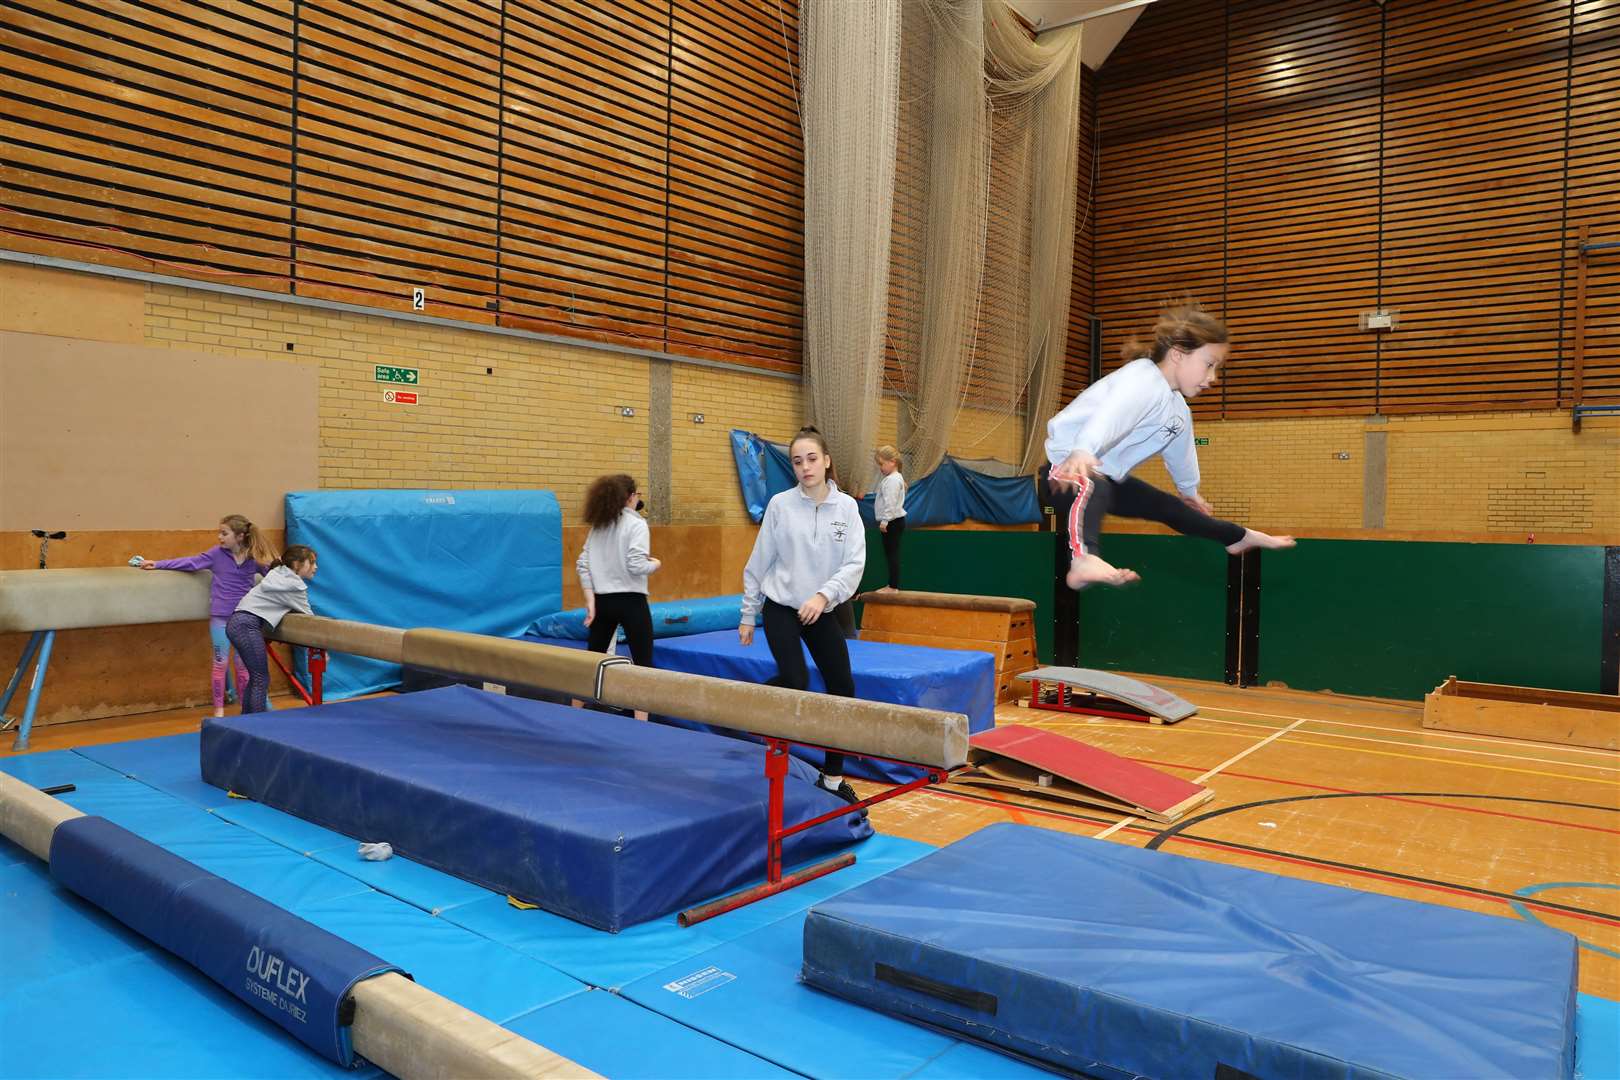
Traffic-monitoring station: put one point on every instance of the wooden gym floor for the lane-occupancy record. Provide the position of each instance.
(1347, 791)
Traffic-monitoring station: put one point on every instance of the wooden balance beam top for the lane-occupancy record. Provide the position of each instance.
(879, 729)
(33, 600)
(955, 601)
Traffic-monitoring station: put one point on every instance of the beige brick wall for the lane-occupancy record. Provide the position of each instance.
(1279, 475)
(500, 411)
(1505, 473)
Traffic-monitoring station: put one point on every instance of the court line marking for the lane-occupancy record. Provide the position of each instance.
(1233, 760)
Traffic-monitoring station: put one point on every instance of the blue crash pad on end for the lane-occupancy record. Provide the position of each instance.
(597, 817)
(414, 558)
(1105, 958)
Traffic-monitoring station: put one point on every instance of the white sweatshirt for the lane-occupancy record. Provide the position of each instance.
(615, 557)
(1125, 418)
(804, 548)
(890, 501)
(279, 593)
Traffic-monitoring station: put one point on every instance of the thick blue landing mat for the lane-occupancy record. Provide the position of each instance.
(747, 993)
(611, 961)
(618, 1038)
(598, 817)
(948, 679)
(1112, 960)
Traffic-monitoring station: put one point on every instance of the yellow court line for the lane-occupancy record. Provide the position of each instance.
(1239, 756)
(1427, 733)
(1388, 753)
(1442, 749)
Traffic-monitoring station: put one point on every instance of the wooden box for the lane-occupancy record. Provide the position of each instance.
(1524, 712)
(1003, 626)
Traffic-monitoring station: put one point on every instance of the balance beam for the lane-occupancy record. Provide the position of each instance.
(877, 729)
(406, 1029)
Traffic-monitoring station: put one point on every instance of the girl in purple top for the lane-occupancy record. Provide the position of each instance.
(242, 555)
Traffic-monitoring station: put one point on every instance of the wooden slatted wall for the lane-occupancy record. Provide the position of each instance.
(1594, 194)
(1161, 193)
(627, 173)
(1432, 156)
(125, 140)
(1077, 354)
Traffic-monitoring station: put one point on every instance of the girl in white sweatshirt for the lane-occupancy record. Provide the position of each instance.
(613, 567)
(807, 559)
(1122, 420)
(284, 589)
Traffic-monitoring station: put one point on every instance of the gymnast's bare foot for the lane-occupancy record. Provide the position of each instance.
(1252, 539)
(1091, 570)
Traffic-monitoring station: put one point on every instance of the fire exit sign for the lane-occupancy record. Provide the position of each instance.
(408, 375)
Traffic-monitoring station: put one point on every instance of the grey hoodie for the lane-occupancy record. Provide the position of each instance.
(280, 593)
(805, 548)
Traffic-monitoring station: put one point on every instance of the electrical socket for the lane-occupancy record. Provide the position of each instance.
(1379, 319)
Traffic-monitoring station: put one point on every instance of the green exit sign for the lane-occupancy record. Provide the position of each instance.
(408, 375)
(1201, 441)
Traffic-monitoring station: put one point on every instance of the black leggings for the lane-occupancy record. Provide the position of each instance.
(629, 610)
(891, 549)
(1081, 512)
(783, 632)
(246, 631)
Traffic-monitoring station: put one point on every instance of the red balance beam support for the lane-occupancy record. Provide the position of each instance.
(776, 769)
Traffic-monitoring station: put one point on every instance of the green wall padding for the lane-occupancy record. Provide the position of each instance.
(1394, 618)
(980, 563)
(1172, 622)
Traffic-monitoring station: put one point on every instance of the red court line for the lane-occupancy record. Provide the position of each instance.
(1388, 798)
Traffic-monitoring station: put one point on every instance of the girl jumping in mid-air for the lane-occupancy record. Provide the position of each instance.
(241, 556)
(1122, 420)
(807, 559)
(285, 589)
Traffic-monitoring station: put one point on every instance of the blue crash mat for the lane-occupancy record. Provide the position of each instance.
(597, 817)
(949, 679)
(1108, 959)
(747, 993)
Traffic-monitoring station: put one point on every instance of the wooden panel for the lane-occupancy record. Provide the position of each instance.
(398, 154)
(1432, 157)
(586, 118)
(736, 204)
(1594, 196)
(1473, 184)
(85, 426)
(127, 143)
(1302, 205)
(1082, 300)
(1523, 713)
(1161, 183)
(944, 622)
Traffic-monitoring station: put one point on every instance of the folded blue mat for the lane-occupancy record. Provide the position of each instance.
(597, 817)
(289, 970)
(1107, 959)
(671, 618)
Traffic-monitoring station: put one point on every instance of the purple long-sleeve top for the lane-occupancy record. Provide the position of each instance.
(231, 582)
